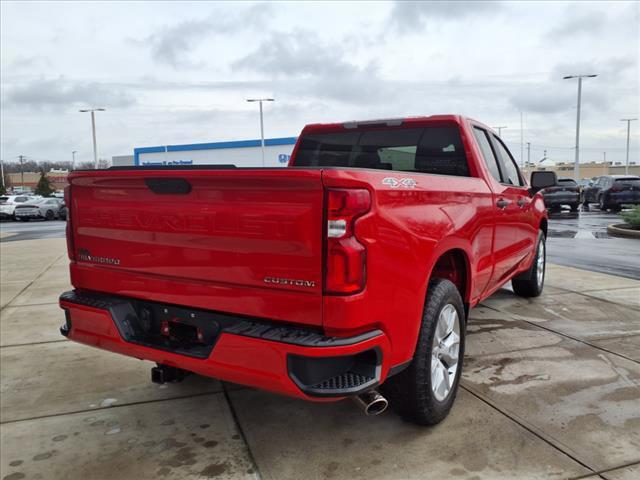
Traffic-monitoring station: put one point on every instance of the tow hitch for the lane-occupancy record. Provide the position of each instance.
(166, 374)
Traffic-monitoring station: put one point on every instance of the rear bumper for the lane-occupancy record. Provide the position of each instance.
(561, 199)
(31, 214)
(270, 356)
(623, 198)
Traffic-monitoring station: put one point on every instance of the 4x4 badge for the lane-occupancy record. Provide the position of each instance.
(394, 182)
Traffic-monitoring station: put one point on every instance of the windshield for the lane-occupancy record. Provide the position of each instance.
(435, 150)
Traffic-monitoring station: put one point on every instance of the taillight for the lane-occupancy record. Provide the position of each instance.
(346, 261)
(70, 246)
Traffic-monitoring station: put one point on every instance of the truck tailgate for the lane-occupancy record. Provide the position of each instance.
(243, 241)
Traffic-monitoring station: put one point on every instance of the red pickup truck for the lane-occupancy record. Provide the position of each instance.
(354, 268)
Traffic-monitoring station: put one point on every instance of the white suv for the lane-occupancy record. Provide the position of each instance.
(8, 205)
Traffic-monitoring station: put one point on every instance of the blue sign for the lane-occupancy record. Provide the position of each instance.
(284, 158)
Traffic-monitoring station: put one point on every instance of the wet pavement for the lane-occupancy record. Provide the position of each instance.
(581, 240)
(11, 231)
(550, 390)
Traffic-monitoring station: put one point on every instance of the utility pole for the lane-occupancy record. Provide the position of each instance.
(499, 130)
(260, 100)
(521, 139)
(576, 168)
(73, 159)
(628, 120)
(2, 173)
(528, 154)
(21, 158)
(604, 163)
(93, 131)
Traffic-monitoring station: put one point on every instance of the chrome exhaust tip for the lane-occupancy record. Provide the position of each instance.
(371, 403)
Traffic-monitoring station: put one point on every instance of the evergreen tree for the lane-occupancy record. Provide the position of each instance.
(44, 186)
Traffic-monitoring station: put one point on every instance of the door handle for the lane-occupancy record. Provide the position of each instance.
(522, 202)
(502, 203)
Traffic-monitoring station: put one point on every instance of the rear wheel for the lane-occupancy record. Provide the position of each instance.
(424, 392)
(49, 215)
(574, 207)
(531, 282)
(601, 203)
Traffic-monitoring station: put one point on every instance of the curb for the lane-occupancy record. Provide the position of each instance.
(621, 230)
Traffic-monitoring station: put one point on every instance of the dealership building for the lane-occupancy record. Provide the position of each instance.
(241, 153)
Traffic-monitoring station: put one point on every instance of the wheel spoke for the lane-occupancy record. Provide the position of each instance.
(450, 349)
(438, 378)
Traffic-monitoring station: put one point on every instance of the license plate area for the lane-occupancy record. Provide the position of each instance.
(175, 329)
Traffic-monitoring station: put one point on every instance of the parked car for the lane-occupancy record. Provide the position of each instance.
(62, 213)
(46, 208)
(8, 205)
(611, 192)
(353, 269)
(566, 192)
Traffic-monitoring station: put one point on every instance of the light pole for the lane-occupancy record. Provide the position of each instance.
(93, 130)
(628, 120)
(73, 159)
(499, 130)
(576, 167)
(260, 100)
(528, 154)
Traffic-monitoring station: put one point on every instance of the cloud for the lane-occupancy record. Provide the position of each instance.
(319, 69)
(62, 93)
(413, 16)
(577, 23)
(172, 45)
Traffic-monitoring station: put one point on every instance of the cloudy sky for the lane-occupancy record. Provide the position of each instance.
(171, 73)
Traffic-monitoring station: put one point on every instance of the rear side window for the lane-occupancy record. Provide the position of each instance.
(511, 174)
(435, 150)
(487, 152)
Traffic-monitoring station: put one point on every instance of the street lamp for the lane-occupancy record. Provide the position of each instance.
(73, 159)
(260, 100)
(628, 120)
(499, 130)
(93, 130)
(576, 167)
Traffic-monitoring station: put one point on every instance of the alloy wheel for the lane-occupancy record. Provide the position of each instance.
(445, 351)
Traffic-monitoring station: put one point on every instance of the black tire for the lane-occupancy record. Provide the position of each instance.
(528, 284)
(49, 215)
(601, 203)
(574, 207)
(410, 392)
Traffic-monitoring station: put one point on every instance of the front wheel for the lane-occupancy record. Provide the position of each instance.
(424, 392)
(531, 282)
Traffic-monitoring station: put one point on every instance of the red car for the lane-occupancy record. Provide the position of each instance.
(354, 268)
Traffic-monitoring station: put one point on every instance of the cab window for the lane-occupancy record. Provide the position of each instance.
(511, 173)
(487, 153)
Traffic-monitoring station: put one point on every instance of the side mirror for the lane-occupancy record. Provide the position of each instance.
(540, 180)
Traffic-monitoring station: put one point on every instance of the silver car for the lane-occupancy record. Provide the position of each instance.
(46, 208)
(8, 205)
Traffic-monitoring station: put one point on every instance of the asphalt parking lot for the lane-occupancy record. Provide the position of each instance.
(551, 389)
